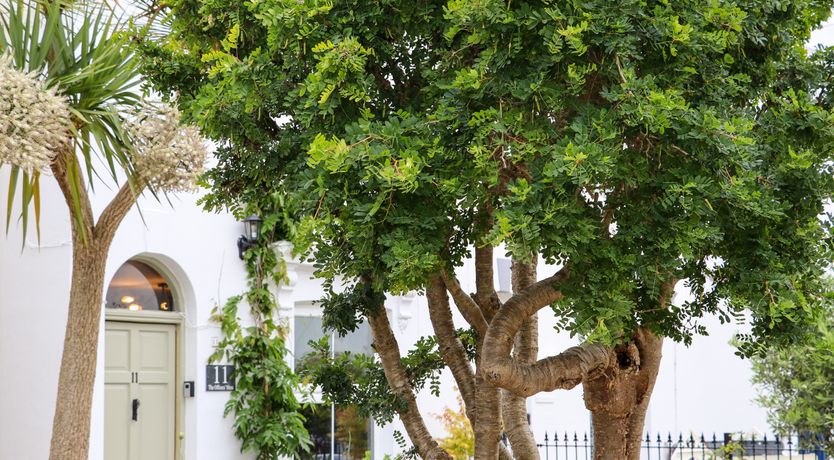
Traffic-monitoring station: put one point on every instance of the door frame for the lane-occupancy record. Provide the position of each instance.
(177, 319)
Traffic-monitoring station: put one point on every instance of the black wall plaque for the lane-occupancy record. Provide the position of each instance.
(220, 377)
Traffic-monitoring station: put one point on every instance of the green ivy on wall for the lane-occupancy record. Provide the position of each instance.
(264, 404)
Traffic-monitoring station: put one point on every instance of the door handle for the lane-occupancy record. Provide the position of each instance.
(135, 410)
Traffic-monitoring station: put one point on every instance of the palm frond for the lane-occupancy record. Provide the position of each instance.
(80, 48)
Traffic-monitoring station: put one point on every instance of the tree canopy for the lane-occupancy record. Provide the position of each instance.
(795, 386)
(636, 144)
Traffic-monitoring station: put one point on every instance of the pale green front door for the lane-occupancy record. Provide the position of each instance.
(140, 391)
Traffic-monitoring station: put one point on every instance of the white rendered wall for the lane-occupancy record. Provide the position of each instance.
(34, 289)
(197, 248)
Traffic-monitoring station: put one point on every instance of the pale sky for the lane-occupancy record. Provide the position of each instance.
(823, 36)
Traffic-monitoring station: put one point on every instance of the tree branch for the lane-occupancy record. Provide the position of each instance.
(451, 348)
(388, 349)
(526, 350)
(117, 209)
(62, 166)
(565, 370)
(466, 305)
(485, 294)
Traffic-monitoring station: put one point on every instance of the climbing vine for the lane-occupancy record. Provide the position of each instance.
(264, 404)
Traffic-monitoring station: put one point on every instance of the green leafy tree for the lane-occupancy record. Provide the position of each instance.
(635, 145)
(795, 386)
(69, 100)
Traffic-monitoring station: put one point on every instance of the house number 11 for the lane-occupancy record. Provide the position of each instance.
(220, 377)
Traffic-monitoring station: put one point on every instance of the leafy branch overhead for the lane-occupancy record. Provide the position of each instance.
(357, 379)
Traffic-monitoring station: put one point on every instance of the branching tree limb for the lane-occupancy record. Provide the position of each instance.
(526, 349)
(452, 349)
(385, 344)
(118, 208)
(450, 345)
(466, 305)
(565, 370)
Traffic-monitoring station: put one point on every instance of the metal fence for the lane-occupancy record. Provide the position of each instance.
(567, 446)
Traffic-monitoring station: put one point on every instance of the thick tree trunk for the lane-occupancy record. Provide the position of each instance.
(71, 424)
(386, 346)
(487, 423)
(451, 348)
(526, 350)
(516, 424)
(619, 398)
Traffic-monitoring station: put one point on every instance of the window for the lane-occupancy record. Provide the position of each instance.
(309, 328)
(352, 438)
(333, 429)
(137, 286)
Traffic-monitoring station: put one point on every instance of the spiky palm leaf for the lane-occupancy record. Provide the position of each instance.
(79, 48)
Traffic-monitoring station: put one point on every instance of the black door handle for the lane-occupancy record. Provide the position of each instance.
(135, 410)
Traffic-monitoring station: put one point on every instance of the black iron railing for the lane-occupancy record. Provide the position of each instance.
(575, 446)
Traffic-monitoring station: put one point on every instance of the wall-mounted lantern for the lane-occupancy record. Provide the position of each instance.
(251, 234)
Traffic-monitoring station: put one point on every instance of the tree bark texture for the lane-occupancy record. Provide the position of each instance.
(90, 246)
(618, 399)
(487, 422)
(565, 370)
(467, 306)
(71, 423)
(526, 349)
(452, 350)
(485, 294)
(389, 353)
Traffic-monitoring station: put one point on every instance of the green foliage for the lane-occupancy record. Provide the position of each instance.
(460, 439)
(408, 453)
(641, 143)
(356, 379)
(796, 384)
(264, 403)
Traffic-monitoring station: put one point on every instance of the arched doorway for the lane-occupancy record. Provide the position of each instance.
(141, 364)
(137, 286)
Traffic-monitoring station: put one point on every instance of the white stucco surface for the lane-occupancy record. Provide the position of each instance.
(196, 249)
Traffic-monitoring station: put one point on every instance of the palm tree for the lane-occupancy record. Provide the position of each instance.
(77, 52)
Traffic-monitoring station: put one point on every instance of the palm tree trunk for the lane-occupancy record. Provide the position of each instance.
(90, 246)
(71, 424)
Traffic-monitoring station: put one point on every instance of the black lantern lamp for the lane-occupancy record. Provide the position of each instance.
(251, 234)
